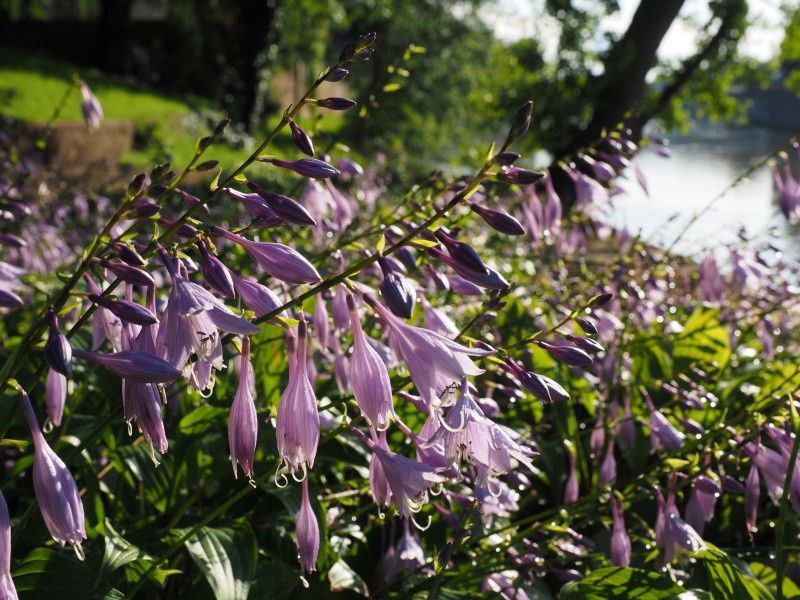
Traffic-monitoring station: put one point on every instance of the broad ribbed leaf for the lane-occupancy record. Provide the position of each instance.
(227, 558)
(45, 572)
(119, 552)
(613, 582)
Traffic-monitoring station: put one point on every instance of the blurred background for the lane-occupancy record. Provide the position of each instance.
(720, 78)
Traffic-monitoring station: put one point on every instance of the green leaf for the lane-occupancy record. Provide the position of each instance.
(201, 420)
(274, 581)
(342, 577)
(227, 558)
(768, 577)
(615, 582)
(727, 580)
(703, 338)
(119, 552)
(45, 572)
(381, 245)
(215, 181)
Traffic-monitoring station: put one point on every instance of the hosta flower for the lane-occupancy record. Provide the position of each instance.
(57, 349)
(90, 106)
(192, 320)
(301, 139)
(56, 491)
(408, 480)
(56, 393)
(369, 376)
(307, 531)
(243, 422)
(702, 501)
(674, 536)
(663, 434)
(134, 365)
(297, 423)
(277, 260)
(620, 541)
(7, 589)
(258, 298)
(433, 361)
(378, 484)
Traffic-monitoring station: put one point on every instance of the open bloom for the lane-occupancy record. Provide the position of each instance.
(297, 424)
(56, 491)
(243, 422)
(408, 479)
(433, 361)
(674, 535)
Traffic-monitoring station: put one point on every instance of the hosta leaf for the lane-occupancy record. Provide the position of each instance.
(119, 552)
(614, 582)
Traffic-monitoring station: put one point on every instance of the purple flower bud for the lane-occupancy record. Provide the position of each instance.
(585, 343)
(129, 273)
(365, 40)
(348, 167)
(335, 103)
(135, 365)
(126, 310)
(498, 220)
(56, 491)
(192, 200)
(283, 206)
(10, 240)
(347, 53)
(56, 394)
(143, 209)
(571, 491)
(206, 165)
(519, 176)
(57, 349)
(339, 310)
(369, 376)
(185, 231)
(364, 54)
(586, 325)
(490, 279)
(601, 300)
(307, 167)
(7, 589)
(463, 253)
(258, 298)
(620, 541)
(137, 184)
(337, 74)
(662, 433)
(542, 388)
(243, 421)
(463, 287)
(608, 468)
(522, 121)
(278, 260)
(573, 357)
(307, 531)
(216, 274)
(321, 323)
(301, 139)
(691, 426)
(505, 159)
(128, 254)
(255, 205)
(397, 292)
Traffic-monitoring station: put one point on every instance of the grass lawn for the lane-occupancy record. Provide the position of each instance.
(32, 86)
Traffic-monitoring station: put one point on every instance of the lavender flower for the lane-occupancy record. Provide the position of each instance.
(7, 589)
(752, 491)
(489, 278)
(702, 501)
(662, 433)
(134, 365)
(369, 377)
(378, 484)
(620, 542)
(129, 273)
(56, 394)
(283, 206)
(408, 480)
(92, 111)
(56, 491)
(433, 361)
(567, 354)
(321, 322)
(519, 176)
(255, 205)
(571, 487)
(57, 349)
(673, 535)
(243, 422)
(498, 220)
(307, 531)
(307, 167)
(216, 274)
(397, 292)
(278, 260)
(297, 424)
(258, 298)
(126, 310)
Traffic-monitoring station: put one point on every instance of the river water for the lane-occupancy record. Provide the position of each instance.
(702, 166)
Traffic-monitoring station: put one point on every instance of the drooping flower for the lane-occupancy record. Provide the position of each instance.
(56, 394)
(243, 421)
(702, 501)
(674, 536)
(92, 111)
(307, 531)
(56, 491)
(297, 424)
(620, 541)
(433, 361)
(57, 349)
(7, 589)
(408, 480)
(663, 434)
(216, 274)
(369, 376)
(378, 484)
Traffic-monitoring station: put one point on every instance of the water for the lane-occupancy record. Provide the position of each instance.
(704, 164)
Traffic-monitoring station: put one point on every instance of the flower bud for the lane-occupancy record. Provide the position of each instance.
(365, 40)
(56, 394)
(137, 184)
(287, 209)
(397, 292)
(307, 167)
(364, 54)
(522, 122)
(7, 589)
(127, 254)
(505, 159)
(216, 274)
(134, 365)
(307, 530)
(519, 176)
(586, 325)
(129, 274)
(301, 139)
(337, 74)
(126, 310)
(602, 299)
(335, 103)
(573, 357)
(9, 299)
(498, 220)
(586, 344)
(347, 53)
(57, 349)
